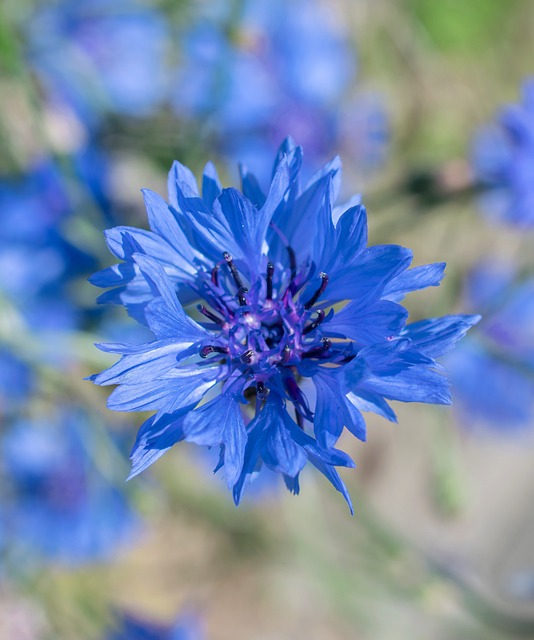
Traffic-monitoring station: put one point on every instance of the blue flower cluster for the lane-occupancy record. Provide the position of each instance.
(293, 305)
(56, 503)
(278, 68)
(500, 351)
(503, 160)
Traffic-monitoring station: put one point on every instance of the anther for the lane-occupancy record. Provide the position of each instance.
(212, 348)
(317, 351)
(270, 272)
(260, 390)
(209, 314)
(286, 352)
(246, 357)
(319, 291)
(313, 325)
(235, 273)
(241, 296)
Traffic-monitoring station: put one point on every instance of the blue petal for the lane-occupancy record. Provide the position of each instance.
(144, 362)
(334, 478)
(181, 183)
(145, 453)
(211, 186)
(367, 323)
(428, 275)
(179, 388)
(367, 276)
(436, 336)
(333, 410)
(279, 451)
(170, 318)
(165, 223)
(250, 187)
(219, 422)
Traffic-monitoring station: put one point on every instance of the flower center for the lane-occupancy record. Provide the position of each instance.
(267, 327)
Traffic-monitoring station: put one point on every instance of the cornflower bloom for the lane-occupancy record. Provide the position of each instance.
(56, 504)
(501, 351)
(503, 160)
(272, 273)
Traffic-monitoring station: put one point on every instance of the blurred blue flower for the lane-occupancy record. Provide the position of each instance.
(271, 271)
(36, 260)
(16, 382)
(57, 504)
(98, 56)
(503, 159)
(492, 371)
(131, 627)
(276, 69)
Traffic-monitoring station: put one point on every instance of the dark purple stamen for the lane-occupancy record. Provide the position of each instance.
(286, 352)
(235, 273)
(215, 275)
(319, 291)
(320, 317)
(299, 419)
(247, 356)
(241, 296)
(212, 348)
(292, 262)
(318, 351)
(210, 315)
(260, 389)
(270, 272)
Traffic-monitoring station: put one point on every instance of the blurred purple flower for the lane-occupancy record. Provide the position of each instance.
(98, 56)
(57, 504)
(492, 371)
(278, 69)
(503, 159)
(36, 261)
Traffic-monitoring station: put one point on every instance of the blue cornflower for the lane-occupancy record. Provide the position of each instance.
(56, 503)
(500, 351)
(96, 56)
(503, 160)
(37, 261)
(282, 67)
(272, 272)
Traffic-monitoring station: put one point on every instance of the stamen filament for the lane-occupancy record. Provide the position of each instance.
(235, 273)
(270, 272)
(318, 351)
(320, 317)
(210, 315)
(319, 291)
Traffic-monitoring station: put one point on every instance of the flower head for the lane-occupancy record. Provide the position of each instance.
(290, 296)
(56, 504)
(501, 351)
(504, 161)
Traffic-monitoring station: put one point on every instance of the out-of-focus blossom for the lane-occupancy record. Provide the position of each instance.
(16, 382)
(493, 369)
(57, 503)
(278, 69)
(99, 56)
(36, 260)
(270, 270)
(503, 159)
(130, 627)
